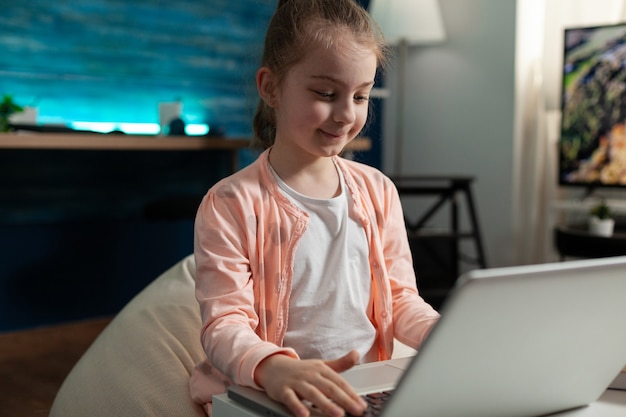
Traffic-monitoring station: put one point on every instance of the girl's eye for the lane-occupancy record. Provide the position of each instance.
(325, 94)
(328, 95)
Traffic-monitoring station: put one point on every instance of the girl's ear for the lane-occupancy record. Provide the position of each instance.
(265, 84)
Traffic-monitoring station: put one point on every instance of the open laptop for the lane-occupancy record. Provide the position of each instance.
(515, 341)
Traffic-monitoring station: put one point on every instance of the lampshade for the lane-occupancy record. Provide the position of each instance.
(416, 21)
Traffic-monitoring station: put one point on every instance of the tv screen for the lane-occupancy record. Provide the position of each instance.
(592, 145)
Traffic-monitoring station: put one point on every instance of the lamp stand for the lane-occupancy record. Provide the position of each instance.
(403, 49)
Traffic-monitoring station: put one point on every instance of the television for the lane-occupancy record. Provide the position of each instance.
(592, 143)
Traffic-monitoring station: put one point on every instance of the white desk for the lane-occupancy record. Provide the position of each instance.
(611, 404)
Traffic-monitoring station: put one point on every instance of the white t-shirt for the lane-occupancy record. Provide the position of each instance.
(332, 281)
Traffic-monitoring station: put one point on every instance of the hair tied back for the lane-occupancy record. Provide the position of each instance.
(281, 3)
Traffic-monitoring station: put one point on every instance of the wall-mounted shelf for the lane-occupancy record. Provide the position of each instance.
(95, 141)
(583, 206)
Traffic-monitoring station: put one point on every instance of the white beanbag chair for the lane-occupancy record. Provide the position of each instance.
(141, 363)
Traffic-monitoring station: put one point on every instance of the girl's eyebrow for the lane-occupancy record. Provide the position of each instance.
(337, 81)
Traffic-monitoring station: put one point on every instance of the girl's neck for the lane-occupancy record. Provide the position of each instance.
(315, 177)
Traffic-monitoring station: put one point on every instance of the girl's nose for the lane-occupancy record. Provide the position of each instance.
(344, 112)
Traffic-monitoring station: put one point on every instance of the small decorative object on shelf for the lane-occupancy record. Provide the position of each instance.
(600, 221)
(7, 108)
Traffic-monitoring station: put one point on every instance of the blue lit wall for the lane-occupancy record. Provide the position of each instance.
(115, 60)
(82, 232)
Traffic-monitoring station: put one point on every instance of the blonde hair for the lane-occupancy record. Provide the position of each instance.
(299, 25)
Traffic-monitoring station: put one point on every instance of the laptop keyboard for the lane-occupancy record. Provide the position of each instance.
(375, 403)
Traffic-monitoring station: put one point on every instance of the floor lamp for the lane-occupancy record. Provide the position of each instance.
(405, 23)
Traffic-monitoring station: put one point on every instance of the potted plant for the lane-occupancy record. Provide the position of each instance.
(600, 221)
(7, 108)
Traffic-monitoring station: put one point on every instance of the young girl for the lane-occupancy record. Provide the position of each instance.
(303, 262)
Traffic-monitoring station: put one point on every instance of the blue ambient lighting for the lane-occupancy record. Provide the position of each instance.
(135, 128)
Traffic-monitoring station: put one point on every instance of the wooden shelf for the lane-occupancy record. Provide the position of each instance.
(95, 141)
(583, 206)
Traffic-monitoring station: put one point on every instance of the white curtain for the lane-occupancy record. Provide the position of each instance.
(540, 25)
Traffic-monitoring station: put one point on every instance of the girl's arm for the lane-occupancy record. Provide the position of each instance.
(413, 317)
(224, 290)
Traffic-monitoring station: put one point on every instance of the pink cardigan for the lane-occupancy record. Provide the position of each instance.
(246, 233)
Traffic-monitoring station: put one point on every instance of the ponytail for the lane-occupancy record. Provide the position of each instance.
(264, 126)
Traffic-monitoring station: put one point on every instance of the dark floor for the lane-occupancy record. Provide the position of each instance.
(34, 363)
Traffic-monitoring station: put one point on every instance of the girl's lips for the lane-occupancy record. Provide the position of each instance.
(333, 135)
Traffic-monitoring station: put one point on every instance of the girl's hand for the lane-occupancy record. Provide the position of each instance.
(289, 381)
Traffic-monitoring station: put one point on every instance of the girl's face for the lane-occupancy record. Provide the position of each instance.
(322, 103)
